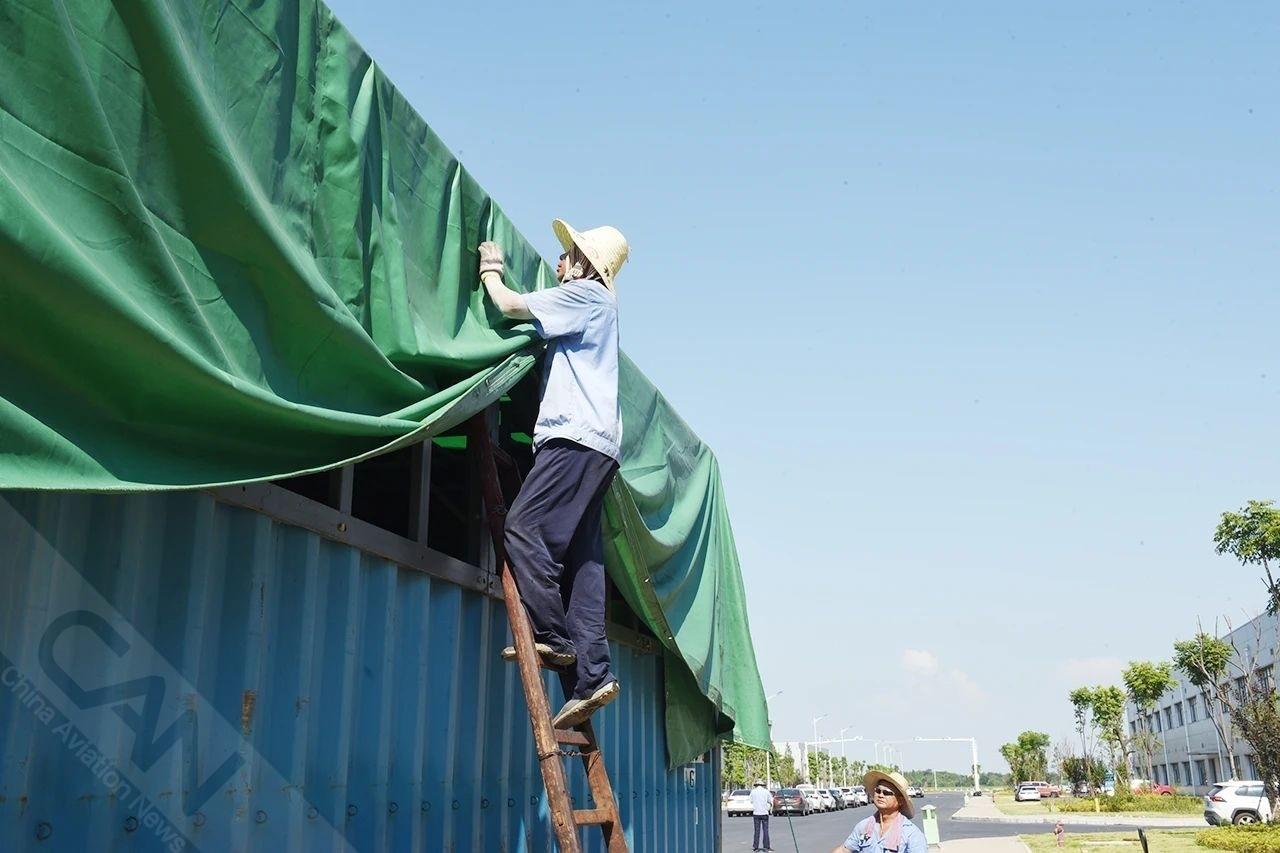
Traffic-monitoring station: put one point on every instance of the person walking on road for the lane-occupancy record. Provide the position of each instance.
(553, 530)
(761, 806)
(890, 829)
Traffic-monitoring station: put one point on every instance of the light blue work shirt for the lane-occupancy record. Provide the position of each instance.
(580, 376)
(912, 838)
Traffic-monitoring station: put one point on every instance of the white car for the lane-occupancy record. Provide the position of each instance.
(739, 803)
(860, 797)
(828, 801)
(814, 798)
(851, 797)
(915, 791)
(1027, 792)
(1237, 801)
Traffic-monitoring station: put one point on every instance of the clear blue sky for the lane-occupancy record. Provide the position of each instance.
(976, 303)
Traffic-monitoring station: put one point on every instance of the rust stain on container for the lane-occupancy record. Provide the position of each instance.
(247, 701)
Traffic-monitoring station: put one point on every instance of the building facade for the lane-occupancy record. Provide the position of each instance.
(1189, 754)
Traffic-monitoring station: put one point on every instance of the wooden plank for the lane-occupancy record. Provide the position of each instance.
(553, 773)
(615, 840)
(592, 817)
(569, 737)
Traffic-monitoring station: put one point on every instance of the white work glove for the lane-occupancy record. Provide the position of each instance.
(490, 258)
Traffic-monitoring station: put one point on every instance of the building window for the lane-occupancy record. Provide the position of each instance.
(1177, 713)
(1168, 718)
(1267, 679)
(1191, 709)
(1133, 727)
(1177, 774)
(1156, 718)
(1186, 771)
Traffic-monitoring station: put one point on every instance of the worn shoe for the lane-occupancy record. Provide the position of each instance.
(549, 655)
(576, 711)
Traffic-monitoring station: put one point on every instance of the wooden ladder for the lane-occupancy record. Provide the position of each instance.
(547, 739)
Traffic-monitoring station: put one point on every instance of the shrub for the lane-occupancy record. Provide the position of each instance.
(1121, 802)
(1243, 839)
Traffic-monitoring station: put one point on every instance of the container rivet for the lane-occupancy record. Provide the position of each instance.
(511, 803)
(426, 806)
(456, 805)
(313, 813)
(198, 819)
(43, 830)
(351, 810)
(130, 824)
(342, 527)
(261, 816)
(393, 808)
(484, 803)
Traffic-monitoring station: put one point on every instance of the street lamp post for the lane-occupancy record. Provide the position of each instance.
(844, 755)
(815, 742)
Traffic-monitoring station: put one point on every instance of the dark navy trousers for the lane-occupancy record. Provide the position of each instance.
(556, 547)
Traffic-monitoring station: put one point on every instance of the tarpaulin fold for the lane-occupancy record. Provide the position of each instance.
(231, 251)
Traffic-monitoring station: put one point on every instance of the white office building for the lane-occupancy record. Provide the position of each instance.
(1190, 755)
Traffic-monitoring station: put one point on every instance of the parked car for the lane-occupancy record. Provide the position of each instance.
(915, 791)
(1047, 790)
(860, 797)
(828, 801)
(1082, 790)
(791, 801)
(815, 799)
(838, 797)
(1027, 792)
(1236, 801)
(1144, 786)
(739, 803)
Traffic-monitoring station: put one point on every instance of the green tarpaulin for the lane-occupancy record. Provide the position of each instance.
(230, 250)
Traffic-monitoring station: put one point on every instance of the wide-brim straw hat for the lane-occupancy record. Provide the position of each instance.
(605, 247)
(896, 781)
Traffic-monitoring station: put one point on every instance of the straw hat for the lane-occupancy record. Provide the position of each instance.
(896, 781)
(605, 247)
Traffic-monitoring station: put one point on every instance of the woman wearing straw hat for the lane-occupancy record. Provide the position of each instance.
(890, 828)
(553, 531)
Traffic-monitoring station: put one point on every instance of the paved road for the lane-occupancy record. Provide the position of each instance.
(819, 833)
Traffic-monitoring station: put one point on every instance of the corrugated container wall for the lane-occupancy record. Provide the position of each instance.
(180, 673)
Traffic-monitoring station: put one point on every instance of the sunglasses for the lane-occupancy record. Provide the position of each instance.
(885, 792)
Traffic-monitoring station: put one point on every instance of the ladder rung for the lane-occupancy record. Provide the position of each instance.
(592, 817)
(570, 737)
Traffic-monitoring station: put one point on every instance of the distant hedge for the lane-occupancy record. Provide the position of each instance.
(1258, 838)
(1174, 804)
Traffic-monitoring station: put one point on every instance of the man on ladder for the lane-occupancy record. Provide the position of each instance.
(553, 531)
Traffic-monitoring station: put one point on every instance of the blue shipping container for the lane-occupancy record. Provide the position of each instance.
(183, 673)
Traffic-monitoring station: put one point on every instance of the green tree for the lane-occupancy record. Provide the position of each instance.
(1082, 702)
(1145, 683)
(1252, 536)
(784, 769)
(1027, 756)
(1206, 661)
(1107, 708)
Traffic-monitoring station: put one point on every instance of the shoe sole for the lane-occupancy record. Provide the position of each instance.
(552, 659)
(583, 712)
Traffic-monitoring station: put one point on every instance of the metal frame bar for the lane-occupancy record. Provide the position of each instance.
(333, 521)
